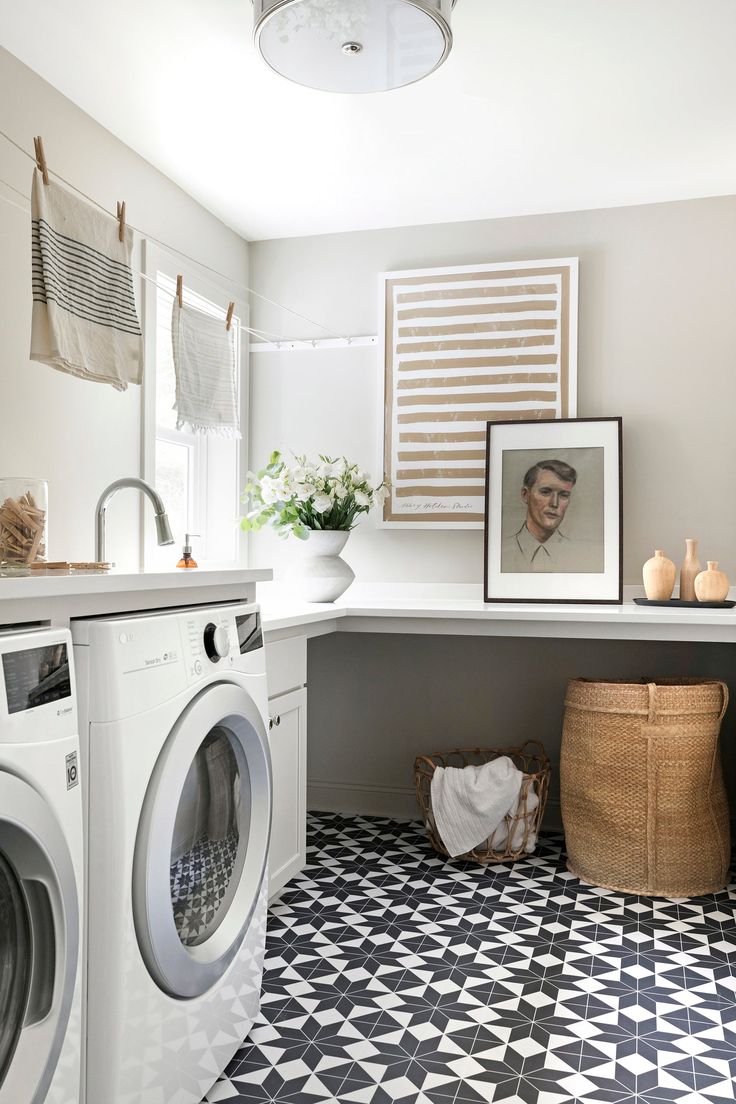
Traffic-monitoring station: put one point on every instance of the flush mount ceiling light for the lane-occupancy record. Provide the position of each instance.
(354, 45)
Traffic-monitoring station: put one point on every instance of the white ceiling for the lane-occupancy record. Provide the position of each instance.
(543, 105)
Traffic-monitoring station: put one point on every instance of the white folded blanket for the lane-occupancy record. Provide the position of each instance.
(469, 803)
(206, 382)
(84, 314)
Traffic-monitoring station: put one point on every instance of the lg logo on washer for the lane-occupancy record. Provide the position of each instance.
(72, 771)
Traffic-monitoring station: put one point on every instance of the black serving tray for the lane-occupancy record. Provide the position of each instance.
(680, 602)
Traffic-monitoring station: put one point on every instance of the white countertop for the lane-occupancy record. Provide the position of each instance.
(460, 610)
(437, 609)
(58, 597)
(65, 584)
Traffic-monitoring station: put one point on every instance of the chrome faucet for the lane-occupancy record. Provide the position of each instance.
(163, 530)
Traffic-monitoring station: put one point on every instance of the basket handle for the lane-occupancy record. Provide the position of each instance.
(536, 744)
(652, 687)
(724, 707)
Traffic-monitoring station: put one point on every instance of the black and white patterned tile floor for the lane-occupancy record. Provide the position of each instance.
(198, 882)
(392, 975)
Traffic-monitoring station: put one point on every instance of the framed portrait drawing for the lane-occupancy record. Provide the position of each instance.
(553, 511)
(462, 347)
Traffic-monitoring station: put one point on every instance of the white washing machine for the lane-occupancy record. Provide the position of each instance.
(41, 869)
(173, 723)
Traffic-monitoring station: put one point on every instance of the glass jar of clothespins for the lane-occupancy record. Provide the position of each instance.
(24, 513)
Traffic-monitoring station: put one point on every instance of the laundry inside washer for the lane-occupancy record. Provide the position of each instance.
(210, 833)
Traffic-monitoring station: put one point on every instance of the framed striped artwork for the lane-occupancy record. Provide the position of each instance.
(465, 346)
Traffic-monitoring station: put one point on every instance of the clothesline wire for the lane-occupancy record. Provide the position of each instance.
(17, 191)
(11, 203)
(262, 335)
(173, 248)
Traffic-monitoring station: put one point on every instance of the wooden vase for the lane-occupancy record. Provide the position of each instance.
(689, 569)
(711, 585)
(659, 577)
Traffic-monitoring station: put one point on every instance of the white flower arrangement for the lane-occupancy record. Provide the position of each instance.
(329, 494)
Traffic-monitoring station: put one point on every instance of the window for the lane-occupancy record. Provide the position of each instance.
(198, 476)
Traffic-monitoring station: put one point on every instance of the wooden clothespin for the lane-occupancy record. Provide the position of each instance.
(229, 319)
(180, 290)
(121, 220)
(41, 159)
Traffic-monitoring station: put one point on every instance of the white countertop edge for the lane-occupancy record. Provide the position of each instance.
(280, 613)
(60, 585)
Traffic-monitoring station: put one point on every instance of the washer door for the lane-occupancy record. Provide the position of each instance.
(39, 942)
(202, 844)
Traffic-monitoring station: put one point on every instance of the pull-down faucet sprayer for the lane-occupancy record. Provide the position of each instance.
(163, 530)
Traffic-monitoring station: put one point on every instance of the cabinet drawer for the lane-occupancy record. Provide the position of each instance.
(286, 665)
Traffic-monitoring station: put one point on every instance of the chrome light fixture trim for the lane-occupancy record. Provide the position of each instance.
(353, 46)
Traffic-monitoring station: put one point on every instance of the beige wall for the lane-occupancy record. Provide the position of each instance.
(80, 435)
(657, 345)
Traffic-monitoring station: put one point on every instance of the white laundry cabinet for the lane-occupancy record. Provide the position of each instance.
(286, 665)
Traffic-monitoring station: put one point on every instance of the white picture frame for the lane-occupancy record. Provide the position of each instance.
(494, 332)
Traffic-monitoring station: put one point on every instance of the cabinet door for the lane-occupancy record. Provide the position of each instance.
(288, 742)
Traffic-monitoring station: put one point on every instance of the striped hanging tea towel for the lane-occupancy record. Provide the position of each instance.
(84, 315)
(206, 383)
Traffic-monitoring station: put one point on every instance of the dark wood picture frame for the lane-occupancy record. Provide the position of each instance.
(615, 577)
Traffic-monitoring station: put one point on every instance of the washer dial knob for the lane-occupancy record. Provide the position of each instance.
(216, 642)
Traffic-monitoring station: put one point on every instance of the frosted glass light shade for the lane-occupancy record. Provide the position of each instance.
(354, 45)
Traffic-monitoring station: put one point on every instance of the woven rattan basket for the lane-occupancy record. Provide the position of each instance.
(523, 828)
(643, 802)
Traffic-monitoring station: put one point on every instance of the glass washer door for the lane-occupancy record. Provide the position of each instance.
(15, 962)
(202, 843)
(39, 942)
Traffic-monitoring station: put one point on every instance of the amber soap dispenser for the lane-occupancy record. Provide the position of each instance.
(187, 559)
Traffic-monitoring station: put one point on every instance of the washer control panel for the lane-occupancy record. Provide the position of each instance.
(140, 660)
(37, 700)
(222, 637)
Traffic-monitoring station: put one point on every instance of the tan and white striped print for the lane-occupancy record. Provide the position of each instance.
(464, 346)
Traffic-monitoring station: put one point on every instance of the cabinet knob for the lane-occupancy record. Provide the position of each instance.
(277, 720)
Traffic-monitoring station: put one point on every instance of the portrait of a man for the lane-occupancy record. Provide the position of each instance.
(544, 530)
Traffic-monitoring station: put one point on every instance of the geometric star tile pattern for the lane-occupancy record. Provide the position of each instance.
(393, 974)
(198, 882)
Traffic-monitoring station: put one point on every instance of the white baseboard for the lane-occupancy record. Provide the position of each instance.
(397, 802)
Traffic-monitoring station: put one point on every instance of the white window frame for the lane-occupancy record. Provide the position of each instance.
(158, 260)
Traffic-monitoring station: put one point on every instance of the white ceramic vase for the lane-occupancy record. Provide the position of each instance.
(317, 573)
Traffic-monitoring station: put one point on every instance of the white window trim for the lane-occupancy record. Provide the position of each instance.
(157, 259)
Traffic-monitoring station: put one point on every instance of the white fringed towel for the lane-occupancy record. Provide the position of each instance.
(206, 383)
(469, 803)
(85, 320)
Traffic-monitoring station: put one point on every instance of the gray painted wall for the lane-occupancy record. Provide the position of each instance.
(376, 701)
(657, 345)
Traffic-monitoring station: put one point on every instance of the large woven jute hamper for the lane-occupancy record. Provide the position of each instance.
(644, 807)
